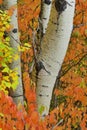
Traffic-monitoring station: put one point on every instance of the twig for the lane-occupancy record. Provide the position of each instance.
(57, 124)
(73, 65)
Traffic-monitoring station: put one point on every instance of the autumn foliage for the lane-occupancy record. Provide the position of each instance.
(71, 91)
(8, 76)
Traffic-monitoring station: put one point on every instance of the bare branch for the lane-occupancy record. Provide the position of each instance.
(57, 124)
(73, 65)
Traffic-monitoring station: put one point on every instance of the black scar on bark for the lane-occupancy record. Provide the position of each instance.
(60, 5)
(44, 86)
(39, 66)
(43, 95)
(48, 2)
(40, 95)
(14, 30)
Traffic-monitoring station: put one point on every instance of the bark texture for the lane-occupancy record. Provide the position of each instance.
(53, 50)
(15, 42)
(45, 13)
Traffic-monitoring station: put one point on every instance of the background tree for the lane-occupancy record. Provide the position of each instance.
(15, 42)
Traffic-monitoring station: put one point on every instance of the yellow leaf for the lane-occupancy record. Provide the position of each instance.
(2, 115)
(1, 34)
(27, 45)
(16, 57)
(6, 78)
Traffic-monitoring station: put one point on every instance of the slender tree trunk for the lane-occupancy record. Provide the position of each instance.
(18, 94)
(45, 14)
(53, 50)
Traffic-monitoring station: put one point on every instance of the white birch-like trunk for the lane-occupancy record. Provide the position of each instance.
(14, 36)
(54, 47)
(45, 14)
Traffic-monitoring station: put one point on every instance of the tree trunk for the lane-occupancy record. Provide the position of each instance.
(45, 14)
(53, 50)
(18, 94)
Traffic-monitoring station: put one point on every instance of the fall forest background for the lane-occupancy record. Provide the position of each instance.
(69, 102)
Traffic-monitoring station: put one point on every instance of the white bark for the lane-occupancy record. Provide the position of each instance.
(18, 94)
(45, 14)
(54, 47)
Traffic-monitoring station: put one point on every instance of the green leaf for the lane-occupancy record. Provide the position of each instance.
(6, 70)
(76, 34)
(8, 84)
(41, 109)
(14, 85)
(7, 39)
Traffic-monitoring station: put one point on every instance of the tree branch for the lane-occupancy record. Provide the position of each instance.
(73, 65)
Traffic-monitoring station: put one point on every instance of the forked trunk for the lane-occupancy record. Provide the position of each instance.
(53, 50)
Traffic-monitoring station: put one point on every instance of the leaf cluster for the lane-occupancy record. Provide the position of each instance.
(8, 77)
